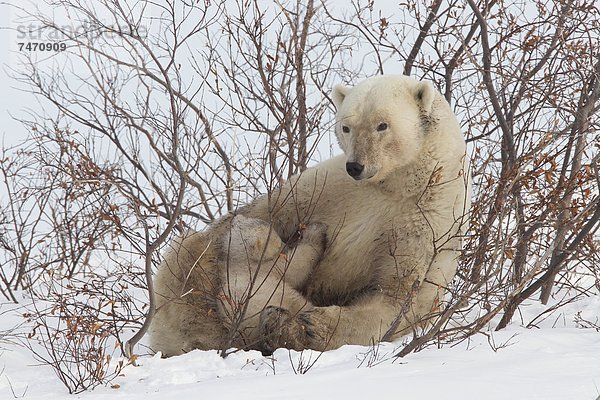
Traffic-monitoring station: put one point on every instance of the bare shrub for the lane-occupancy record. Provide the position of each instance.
(77, 334)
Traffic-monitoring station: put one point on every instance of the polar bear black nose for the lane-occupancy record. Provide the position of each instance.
(354, 169)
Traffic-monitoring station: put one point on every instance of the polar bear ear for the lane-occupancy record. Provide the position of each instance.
(424, 94)
(338, 94)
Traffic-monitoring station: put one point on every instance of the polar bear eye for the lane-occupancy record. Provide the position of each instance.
(382, 127)
(345, 129)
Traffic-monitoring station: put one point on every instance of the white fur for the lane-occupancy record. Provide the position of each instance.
(399, 223)
(258, 272)
(395, 226)
(213, 285)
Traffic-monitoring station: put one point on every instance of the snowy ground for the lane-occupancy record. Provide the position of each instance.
(557, 360)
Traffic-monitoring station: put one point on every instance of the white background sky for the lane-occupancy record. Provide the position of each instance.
(13, 101)
(10, 98)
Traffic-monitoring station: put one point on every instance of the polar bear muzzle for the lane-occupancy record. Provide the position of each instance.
(354, 169)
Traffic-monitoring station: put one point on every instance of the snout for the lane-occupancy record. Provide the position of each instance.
(354, 169)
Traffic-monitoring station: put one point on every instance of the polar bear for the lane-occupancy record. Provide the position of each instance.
(259, 271)
(395, 205)
(223, 278)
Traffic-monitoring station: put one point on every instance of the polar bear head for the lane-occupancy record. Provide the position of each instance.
(381, 123)
(251, 239)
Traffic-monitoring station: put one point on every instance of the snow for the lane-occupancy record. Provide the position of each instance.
(556, 360)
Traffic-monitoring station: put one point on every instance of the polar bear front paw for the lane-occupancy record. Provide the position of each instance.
(310, 329)
(280, 329)
(320, 325)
